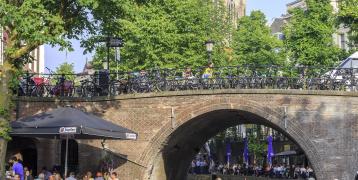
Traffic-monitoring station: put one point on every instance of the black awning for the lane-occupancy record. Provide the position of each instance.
(286, 153)
(69, 120)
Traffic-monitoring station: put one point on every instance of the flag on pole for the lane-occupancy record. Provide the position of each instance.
(246, 151)
(228, 152)
(269, 150)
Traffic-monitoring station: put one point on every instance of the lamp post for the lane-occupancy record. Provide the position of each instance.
(209, 48)
(111, 42)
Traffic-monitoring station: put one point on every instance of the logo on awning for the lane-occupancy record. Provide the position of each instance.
(131, 136)
(68, 130)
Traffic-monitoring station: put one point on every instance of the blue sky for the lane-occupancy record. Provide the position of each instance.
(54, 57)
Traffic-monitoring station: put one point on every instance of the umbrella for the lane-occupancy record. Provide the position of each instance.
(286, 153)
(67, 122)
(228, 152)
(269, 150)
(246, 151)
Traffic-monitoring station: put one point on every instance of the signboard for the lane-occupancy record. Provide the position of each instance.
(68, 130)
(115, 42)
(131, 136)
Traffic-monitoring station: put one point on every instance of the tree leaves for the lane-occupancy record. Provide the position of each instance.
(254, 44)
(309, 35)
(169, 34)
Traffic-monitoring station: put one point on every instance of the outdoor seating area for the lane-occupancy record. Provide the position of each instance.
(66, 123)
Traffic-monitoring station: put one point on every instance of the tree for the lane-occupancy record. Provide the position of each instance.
(257, 147)
(254, 44)
(66, 69)
(28, 24)
(348, 16)
(309, 35)
(170, 34)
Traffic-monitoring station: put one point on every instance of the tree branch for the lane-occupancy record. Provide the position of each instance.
(24, 50)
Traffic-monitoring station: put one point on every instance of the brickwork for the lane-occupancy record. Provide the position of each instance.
(324, 124)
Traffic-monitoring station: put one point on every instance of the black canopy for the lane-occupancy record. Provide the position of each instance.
(69, 120)
(286, 153)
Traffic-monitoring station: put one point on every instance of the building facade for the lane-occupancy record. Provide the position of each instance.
(340, 38)
(236, 9)
(36, 66)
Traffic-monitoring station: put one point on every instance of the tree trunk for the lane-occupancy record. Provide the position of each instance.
(5, 110)
(3, 148)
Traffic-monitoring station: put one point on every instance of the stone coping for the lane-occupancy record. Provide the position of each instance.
(190, 93)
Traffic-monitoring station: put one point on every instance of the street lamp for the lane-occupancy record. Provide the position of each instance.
(209, 48)
(111, 42)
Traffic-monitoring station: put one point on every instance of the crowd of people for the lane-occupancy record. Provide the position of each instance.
(17, 171)
(203, 166)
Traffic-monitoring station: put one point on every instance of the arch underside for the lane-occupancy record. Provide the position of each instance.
(182, 144)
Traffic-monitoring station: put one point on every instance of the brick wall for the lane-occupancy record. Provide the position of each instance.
(324, 124)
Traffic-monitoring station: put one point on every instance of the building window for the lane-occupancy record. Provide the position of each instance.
(343, 41)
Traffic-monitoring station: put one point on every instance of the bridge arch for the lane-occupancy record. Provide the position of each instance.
(174, 146)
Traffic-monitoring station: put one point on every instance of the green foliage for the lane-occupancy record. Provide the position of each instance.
(348, 16)
(31, 23)
(66, 69)
(309, 35)
(257, 144)
(254, 44)
(257, 147)
(4, 125)
(169, 34)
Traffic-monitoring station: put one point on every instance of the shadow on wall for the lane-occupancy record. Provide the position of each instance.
(92, 158)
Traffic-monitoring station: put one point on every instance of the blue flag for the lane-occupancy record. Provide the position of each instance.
(228, 152)
(269, 150)
(246, 151)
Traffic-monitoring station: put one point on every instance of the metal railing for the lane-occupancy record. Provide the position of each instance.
(103, 83)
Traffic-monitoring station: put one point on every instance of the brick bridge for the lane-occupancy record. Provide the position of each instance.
(172, 126)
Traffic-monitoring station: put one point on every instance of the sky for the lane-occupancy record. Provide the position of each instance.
(54, 57)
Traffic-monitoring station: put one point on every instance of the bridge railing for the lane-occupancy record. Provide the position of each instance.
(104, 83)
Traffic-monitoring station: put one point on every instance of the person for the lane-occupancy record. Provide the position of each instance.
(188, 74)
(17, 167)
(99, 176)
(107, 176)
(46, 173)
(88, 176)
(17, 177)
(71, 177)
(356, 178)
(28, 175)
(208, 71)
(142, 73)
(309, 172)
(41, 176)
(57, 176)
(113, 176)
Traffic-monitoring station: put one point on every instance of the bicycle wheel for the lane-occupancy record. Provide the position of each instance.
(38, 91)
(282, 83)
(88, 90)
(115, 88)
